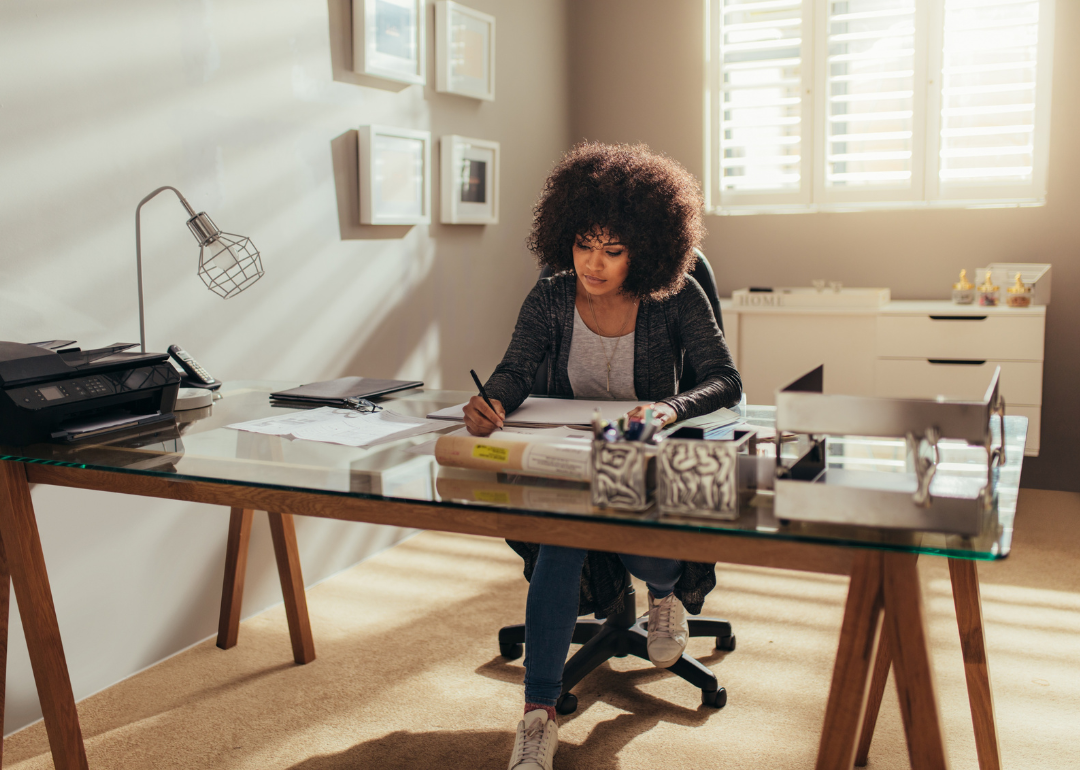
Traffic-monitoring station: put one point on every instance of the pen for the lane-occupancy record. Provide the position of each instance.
(480, 387)
(651, 429)
(597, 424)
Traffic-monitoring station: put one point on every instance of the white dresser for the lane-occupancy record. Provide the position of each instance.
(907, 348)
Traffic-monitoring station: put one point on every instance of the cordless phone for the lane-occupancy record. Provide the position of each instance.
(194, 375)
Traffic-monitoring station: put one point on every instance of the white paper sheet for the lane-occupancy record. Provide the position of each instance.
(336, 426)
(551, 411)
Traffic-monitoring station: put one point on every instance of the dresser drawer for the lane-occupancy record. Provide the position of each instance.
(1021, 381)
(990, 337)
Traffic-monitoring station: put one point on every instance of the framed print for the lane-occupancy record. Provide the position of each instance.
(464, 51)
(395, 176)
(388, 39)
(469, 169)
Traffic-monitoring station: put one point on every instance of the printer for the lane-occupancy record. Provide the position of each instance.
(53, 391)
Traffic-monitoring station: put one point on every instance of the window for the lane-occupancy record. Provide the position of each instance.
(841, 104)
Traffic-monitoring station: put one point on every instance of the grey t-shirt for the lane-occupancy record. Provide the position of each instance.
(588, 364)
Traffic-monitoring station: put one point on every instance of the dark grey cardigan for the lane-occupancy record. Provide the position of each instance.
(666, 331)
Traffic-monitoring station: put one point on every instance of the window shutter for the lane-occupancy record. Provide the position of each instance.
(870, 105)
(760, 98)
(988, 92)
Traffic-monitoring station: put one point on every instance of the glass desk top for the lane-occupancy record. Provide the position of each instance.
(201, 448)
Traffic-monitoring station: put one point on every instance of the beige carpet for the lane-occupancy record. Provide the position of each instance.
(408, 673)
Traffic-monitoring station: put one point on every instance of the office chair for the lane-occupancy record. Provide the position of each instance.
(625, 633)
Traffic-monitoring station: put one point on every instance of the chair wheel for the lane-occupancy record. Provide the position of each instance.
(510, 651)
(567, 703)
(726, 643)
(717, 698)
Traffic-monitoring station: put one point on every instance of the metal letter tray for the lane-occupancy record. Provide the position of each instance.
(919, 499)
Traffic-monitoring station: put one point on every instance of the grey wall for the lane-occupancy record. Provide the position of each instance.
(250, 109)
(638, 76)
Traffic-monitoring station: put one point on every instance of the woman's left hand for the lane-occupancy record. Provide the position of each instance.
(661, 411)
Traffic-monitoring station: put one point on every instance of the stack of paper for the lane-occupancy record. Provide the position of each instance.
(545, 412)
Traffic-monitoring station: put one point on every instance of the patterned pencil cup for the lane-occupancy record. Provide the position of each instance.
(700, 478)
(623, 474)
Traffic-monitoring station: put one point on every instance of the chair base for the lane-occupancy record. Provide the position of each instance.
(626, 634)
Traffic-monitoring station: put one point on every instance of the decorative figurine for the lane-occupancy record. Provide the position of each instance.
(1019, 294)
(963, 292)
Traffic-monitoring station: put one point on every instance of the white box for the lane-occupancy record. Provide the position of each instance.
(799, 296)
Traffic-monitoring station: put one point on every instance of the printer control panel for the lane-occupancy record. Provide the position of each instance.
(90, 387)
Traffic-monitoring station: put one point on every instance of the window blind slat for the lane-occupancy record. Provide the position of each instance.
(989, 72)
(869, 118)
(760, 95)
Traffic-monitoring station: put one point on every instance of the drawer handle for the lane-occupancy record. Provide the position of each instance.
(956, 361)
(958, 318)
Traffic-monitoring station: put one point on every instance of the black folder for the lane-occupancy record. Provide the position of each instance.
(334, 392)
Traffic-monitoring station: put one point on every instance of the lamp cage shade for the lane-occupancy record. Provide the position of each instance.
(228, 264)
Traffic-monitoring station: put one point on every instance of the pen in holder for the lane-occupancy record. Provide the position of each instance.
(701, 478)
(623, 474)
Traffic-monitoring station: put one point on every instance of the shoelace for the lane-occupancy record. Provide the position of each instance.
(664, 621)
(532, 744)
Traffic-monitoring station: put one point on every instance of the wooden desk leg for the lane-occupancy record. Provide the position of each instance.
(851, 673)
(292, 586)
(905, 625)
(22, 546)
(232, 590)
(5, 609)
(882, 664)
(966, 597)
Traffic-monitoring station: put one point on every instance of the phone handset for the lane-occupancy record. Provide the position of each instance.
(194, 374)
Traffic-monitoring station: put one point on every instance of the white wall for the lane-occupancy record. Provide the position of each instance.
(250, 109)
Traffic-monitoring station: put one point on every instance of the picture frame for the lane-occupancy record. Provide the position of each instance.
(395, 175)
(469, 174)
(464, 51)
(389, 39)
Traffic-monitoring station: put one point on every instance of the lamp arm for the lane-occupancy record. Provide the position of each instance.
(138, 253)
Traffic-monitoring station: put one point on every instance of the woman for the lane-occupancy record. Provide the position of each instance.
(617, 225)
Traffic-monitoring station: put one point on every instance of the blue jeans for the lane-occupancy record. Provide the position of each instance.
(551, 611)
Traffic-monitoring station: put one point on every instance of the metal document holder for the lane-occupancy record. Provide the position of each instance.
(918, 499)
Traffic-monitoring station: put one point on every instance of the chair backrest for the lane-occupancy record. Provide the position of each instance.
(702, 273)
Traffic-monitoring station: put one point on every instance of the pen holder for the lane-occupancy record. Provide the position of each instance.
(701, 478)
(623, 474)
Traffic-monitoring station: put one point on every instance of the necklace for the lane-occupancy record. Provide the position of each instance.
(618, 336)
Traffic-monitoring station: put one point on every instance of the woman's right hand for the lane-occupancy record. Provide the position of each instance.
(480, 419)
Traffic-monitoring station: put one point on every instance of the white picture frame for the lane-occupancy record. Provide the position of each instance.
(395, 175)
(469, 179)
(389, 39)
(464, 51)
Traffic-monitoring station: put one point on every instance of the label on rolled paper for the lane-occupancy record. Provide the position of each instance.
(486, 452)
(563, 460)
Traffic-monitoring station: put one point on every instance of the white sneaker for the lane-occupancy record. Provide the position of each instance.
(668, 630)
(536, 742)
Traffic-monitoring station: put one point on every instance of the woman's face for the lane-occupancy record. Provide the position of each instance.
(601, 262)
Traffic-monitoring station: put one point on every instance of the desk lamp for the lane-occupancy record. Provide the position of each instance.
(228, 263)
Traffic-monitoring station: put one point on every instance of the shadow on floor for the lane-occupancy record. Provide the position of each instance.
(486, 749)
